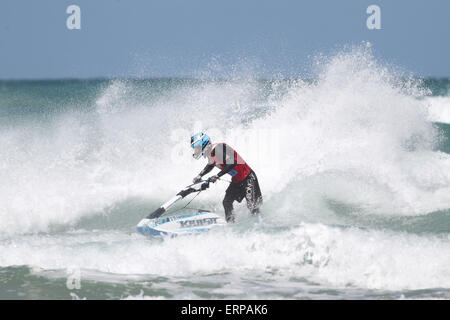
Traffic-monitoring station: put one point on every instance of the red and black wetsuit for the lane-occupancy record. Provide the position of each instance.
(244, 183)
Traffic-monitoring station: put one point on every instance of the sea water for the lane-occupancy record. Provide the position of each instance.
(353, 164)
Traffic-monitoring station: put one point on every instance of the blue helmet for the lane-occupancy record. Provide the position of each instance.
(199, 142)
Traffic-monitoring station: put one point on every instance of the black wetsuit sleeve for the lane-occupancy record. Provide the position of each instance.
(206, 169)
(226, 169)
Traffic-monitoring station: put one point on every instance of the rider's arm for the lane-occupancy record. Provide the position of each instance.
(206, 169)
(226, 169)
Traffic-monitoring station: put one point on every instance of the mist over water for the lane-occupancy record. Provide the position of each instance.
(352, 165)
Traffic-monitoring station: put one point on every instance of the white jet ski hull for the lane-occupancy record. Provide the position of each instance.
(198, 222)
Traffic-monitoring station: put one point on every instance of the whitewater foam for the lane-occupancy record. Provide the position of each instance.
(331, 256)
(438, 108)
(356, 141)
(357, 127)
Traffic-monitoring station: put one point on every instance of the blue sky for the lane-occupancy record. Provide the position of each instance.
(185, 38)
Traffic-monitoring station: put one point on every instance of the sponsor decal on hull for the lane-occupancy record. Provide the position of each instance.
(197, 222)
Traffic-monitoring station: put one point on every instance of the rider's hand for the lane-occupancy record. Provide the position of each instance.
(213, 178)
(197, 179)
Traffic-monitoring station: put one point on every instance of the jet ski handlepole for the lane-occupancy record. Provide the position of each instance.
(196, 187)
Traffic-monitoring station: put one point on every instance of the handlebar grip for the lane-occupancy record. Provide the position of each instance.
(205, 185)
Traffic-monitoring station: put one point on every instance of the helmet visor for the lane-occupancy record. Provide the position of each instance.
(197, 152)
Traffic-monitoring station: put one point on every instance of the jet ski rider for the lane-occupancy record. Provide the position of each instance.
(244, 183)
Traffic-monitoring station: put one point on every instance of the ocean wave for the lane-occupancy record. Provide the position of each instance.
(439, 108)
(332, 257)
(357, 134)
